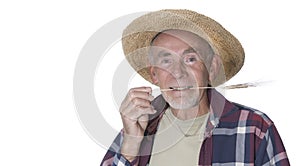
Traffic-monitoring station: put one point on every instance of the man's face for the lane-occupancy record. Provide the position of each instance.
(178, 62)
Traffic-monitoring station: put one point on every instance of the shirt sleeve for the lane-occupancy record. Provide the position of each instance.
(120, 160)
(113, 157)
(271, 151)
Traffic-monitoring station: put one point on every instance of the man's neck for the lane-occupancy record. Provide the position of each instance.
(193, 112)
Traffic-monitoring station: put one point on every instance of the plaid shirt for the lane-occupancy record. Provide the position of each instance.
(235, 135)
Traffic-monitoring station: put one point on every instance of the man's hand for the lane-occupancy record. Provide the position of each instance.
(134, 111)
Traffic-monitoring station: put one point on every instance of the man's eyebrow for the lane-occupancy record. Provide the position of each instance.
(163, 53)
(189, 50)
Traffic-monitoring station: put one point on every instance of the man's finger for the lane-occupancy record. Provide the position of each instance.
(141, 95)
(142, 89)
(138, 112)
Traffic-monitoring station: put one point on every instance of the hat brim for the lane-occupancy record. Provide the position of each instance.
(137, 37)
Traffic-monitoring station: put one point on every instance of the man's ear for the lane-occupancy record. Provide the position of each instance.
(214, 67)
(153, 75)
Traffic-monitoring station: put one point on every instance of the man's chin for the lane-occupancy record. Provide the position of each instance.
(181, 99)
(181, 104)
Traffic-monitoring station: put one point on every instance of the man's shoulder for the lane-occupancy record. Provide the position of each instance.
(249, 116)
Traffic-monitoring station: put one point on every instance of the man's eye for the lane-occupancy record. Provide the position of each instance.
(191, 59)
(166, 61)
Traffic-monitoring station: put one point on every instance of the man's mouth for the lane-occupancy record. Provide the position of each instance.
(176, 88)
(181, 88)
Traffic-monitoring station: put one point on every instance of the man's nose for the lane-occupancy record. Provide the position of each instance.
(179, 70)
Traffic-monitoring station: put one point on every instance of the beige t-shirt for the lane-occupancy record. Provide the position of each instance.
(178, 142)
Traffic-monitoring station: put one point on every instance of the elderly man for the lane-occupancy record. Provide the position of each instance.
(187, 54)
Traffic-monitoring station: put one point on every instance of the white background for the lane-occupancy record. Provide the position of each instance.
(41, 40)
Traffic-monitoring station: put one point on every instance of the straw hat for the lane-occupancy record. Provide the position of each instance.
(138, 34)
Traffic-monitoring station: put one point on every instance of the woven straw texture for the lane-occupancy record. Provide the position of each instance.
(138, 34)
